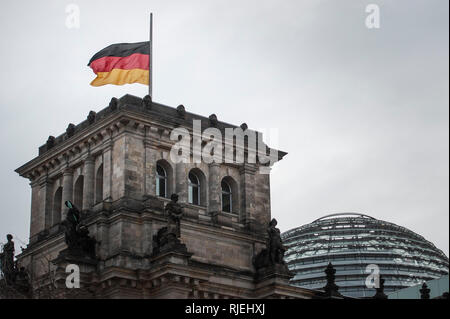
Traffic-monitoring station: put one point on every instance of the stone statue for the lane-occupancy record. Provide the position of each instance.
(167, 238)
(15, 275)
(7, 259)
(273, 255)
(70, 130)
(275, 245)
(76, 235)
(113, 104)
(147, 102)
(175, 213)
(50, 142)
(213, 120)
(91, 117)
(181, 111)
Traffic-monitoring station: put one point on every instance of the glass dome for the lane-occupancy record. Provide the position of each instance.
(353, 241)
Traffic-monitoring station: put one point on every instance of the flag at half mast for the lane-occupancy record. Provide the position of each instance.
(122, 63)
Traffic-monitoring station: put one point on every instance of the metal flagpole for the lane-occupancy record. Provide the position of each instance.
(150, 66)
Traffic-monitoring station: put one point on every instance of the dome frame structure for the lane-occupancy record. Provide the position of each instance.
(353, 241)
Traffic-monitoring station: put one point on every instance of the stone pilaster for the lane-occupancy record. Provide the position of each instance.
(88, 186)
(247, 172)
(123, 175)
(45, 185)
(262, 196)
(67, 190)
(150, 155)
(102, 236)
(107, 171)
(36, 223)
(147, 242)
(214, 189)
(181, 182)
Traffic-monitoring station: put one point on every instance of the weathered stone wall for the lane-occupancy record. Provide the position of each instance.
(126, 163)
(37, 220)
(134, 166)
(262, 198)
(118, 168)
(217, 248)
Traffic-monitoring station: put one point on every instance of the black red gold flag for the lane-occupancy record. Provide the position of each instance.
(122, 63)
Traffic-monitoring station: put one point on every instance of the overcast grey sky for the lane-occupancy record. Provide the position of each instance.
(363, 113)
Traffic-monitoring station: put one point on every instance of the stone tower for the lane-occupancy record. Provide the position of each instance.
(116, 168)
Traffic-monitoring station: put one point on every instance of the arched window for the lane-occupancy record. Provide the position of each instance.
(57, 204)
(194, 189)
(164, 179)
(227, 197)
(230, 195)
(99, 185)
(78, 193)
(161, 181)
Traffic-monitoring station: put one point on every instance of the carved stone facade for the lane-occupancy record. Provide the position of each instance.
(107, 166)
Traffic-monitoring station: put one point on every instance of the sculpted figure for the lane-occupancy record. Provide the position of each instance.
(275, 245)
(113, 104)
(175, 213)
(15, 275)
(147, 102)
(273, 255)
(167, 237)
(71, 224)
(50, 142)
(91, 117)
(7, 259)
(181, 110)
(70, 130)
(77, 238)
(213, 120)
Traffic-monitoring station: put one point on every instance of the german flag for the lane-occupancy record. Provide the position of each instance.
(121, 63)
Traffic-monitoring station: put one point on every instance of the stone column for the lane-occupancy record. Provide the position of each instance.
(102, 235)
(149, 168)
(107, 171)
(151, 142)
(67, 190)
(181, 182)
(45, 185)
(35, 223)
(247, 173)
(262, 196)
(88, 183)
(214, 189)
